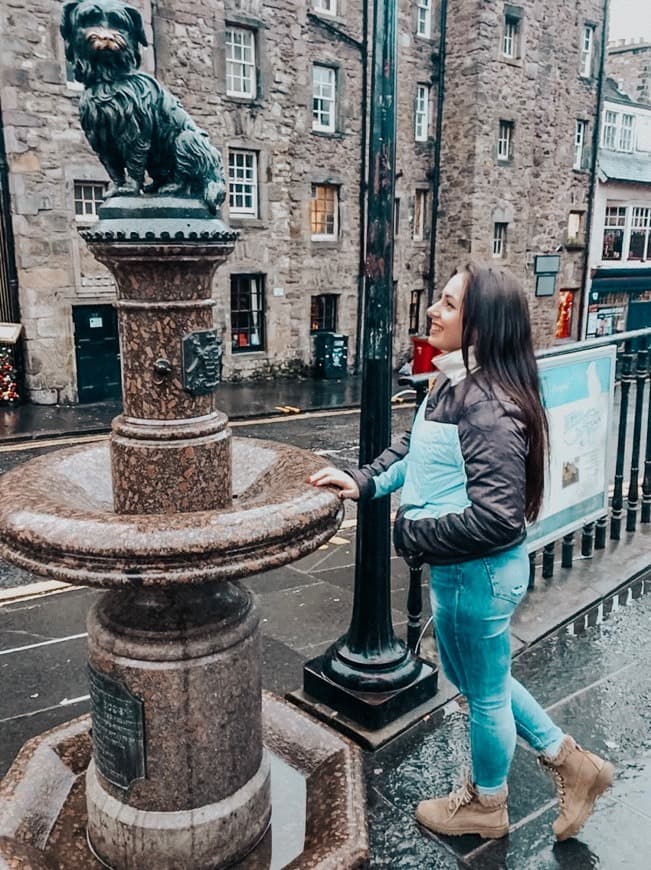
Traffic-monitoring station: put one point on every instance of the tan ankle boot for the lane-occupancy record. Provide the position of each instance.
(466, 812)
(580, 778)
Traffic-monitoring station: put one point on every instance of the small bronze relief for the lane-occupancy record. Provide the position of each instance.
(202, 362)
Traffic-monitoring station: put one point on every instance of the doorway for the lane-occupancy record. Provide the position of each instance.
(97, 351)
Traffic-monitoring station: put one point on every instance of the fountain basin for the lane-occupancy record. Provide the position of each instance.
(43, 803)
(57, 519)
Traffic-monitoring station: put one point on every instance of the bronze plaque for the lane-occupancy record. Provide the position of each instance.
(118, 730)
(202, 362)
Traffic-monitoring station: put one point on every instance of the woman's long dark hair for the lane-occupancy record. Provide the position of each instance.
(495, 321)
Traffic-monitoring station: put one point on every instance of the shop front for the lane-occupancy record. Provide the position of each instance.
(618, 300)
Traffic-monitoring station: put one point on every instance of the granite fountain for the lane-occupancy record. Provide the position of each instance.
(171, 770)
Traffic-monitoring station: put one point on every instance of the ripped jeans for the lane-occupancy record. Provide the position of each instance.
(472, 604)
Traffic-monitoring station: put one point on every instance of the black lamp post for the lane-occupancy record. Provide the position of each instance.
(369, 675)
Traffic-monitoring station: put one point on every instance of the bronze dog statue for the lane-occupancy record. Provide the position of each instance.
(133, 124)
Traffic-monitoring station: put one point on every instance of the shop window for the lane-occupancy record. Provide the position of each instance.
(613, 238)
(564, 320)
(640, 226)
(323, 313)
(247, 313)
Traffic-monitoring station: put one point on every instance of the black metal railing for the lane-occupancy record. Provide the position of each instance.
(628, 503)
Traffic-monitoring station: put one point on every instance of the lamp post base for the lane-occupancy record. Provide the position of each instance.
(371, 710)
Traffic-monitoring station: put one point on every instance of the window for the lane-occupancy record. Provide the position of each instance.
(421, 122)
(626, 133)
(240, 62)
(324, 212)
(323, 98)
(613, 238)
(575, 227)
(511, 36)
(326, 7)
(564, 317)
(424, 21)
(587, 51)
(505, 141)
(640, 226)
(89, 196)
(609, 134)
(396, 217)
(414, 311)
(243, 183)
(323, 313)
(579, 142)
(499, 240)
(420, 215)
(617, 131)
(247, 312)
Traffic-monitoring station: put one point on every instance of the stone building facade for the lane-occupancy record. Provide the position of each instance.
(279, 88)
(629, 64)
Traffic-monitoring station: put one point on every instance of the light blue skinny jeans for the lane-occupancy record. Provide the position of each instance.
(472, 604)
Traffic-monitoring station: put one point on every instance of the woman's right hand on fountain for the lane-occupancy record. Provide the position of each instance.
(331, 476)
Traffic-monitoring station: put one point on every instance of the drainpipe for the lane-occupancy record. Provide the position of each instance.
(583, 308)
(10, 307)
(436, 170)
(362, 190)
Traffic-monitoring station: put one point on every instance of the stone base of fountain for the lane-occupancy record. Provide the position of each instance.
(43, 817)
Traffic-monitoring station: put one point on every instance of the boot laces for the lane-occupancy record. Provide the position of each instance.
(556, 775)
(461, 797)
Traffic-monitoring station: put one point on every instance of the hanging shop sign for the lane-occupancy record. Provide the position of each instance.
(578, 394)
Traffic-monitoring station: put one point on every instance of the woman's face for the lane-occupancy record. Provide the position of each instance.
(446, 327)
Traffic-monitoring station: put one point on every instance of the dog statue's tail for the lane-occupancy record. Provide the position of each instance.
(200, 167)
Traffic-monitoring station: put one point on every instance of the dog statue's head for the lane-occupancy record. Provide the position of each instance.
(102, 37)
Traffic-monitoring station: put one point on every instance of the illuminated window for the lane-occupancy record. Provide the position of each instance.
(323, 313)
(324, 212)
(613, 237)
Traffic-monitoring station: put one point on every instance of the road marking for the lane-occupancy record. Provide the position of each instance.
(32, 590)
(37, 444)
(15, 649)
(64, 703)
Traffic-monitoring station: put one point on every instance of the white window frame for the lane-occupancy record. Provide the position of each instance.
(89, 195)
(505, 141)
(419, 228)
(421, 114)
(498, 248)
(326, 7)
(324, 98)
(626, 131)
(424, 19)
(616, 217)
(241, 71)
(609, 130)
(333, 234)
(579, 143)
(243, 183)
(510, 37)
(587, 51)
(640, 221)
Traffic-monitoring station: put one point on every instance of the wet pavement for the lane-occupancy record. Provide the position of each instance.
(239, 400)
(593, 674)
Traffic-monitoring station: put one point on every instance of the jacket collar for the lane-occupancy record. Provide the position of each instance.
(451, 365)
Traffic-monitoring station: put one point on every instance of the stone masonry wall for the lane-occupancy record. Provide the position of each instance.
(629, 63)
(542, 93)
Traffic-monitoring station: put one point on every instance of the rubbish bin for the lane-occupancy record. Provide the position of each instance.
(330, 355)
(424, 353)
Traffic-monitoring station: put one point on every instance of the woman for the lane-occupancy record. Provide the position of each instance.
(472, 472)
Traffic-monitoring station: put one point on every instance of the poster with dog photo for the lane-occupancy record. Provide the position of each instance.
(578, 396)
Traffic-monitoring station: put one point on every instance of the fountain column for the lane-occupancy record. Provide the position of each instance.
(179, 777)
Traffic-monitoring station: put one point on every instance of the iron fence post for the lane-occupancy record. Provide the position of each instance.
(633, 487)
(618, 492)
